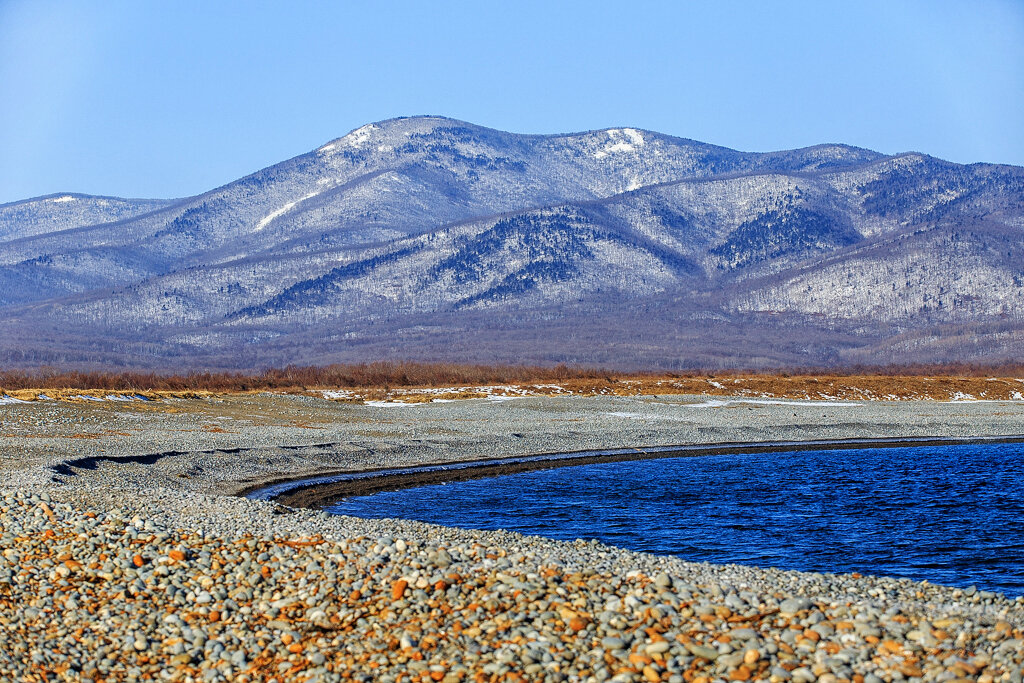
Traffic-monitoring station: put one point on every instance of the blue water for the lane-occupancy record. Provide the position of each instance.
(950, 514)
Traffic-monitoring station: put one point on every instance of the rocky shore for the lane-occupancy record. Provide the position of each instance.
(123, 559)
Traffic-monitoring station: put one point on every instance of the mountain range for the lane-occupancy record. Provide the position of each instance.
(427, 238)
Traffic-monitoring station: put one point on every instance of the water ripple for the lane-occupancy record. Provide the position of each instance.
(949, 514)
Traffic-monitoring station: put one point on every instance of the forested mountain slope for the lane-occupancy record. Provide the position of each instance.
(428, 238)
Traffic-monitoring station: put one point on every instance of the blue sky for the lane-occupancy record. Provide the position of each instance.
(168, 99)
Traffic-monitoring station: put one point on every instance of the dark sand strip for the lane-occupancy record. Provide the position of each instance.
(324, 490)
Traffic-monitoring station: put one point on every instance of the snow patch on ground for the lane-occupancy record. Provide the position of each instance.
(556, 387)
(65, 198)
(338, 394)
(6, 400)
(723, 403)
(497, 393)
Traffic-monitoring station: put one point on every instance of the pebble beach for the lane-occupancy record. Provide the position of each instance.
(127, 555)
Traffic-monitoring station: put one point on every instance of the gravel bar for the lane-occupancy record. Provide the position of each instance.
(125, 554)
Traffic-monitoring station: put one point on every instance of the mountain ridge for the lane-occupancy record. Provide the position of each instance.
(406, 219)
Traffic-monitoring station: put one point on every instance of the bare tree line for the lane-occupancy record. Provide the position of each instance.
(409, 374)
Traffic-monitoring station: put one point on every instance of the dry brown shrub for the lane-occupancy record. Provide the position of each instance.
(380, 374)
(387, 379)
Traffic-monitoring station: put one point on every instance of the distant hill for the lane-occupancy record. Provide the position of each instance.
(432, 239)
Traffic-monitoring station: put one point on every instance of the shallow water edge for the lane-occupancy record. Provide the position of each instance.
(326, 489)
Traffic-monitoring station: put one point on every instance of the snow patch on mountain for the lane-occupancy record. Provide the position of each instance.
(360, 136)
(356, 139)
(635, 136)
(277, 213)
(624, 140)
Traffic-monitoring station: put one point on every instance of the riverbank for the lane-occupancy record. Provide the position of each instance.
(323, 490)
(125, 557)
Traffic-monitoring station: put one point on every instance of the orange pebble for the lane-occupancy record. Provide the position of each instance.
(398, 589)
(891, 646)
(176, 555)
(295, 648)
(138, 561)
(740, 674)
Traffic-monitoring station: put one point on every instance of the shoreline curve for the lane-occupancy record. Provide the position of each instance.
(321, 491)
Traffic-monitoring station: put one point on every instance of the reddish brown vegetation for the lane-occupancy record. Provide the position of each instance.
(405, 374)
(382, 374)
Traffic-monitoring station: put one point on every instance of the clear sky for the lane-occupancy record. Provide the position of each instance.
(168, 99)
